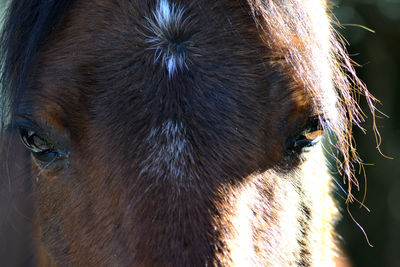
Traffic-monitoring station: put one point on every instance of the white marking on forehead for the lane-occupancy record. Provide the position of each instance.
(170, 151)
(175, 134)
(167, 25)
(164, 12)
(171, 128)
(171, 65)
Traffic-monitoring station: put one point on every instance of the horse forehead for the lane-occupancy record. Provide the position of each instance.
(166, 35)
(133, 48)
(162, 56)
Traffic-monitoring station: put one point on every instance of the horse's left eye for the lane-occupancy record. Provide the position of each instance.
(40, 148)
(307, 138)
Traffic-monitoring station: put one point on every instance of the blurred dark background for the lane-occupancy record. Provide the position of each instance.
(378, 54)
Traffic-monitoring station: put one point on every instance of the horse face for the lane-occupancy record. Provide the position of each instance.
(146, 121)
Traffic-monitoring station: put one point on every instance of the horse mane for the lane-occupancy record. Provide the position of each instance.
(25, 26)
(287, 30)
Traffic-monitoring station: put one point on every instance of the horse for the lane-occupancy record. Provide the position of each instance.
(174, 132)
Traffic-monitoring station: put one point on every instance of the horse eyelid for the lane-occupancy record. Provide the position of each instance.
(314, 134)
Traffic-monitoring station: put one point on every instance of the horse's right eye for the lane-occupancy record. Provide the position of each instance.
(40, 148)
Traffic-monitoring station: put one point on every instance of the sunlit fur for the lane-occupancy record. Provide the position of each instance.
(175, 115)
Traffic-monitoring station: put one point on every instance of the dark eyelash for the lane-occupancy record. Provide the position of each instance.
(308, 137)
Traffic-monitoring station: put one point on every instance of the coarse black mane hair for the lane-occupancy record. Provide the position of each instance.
(26, 24)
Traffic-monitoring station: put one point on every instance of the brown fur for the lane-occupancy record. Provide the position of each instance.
(189, 168)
